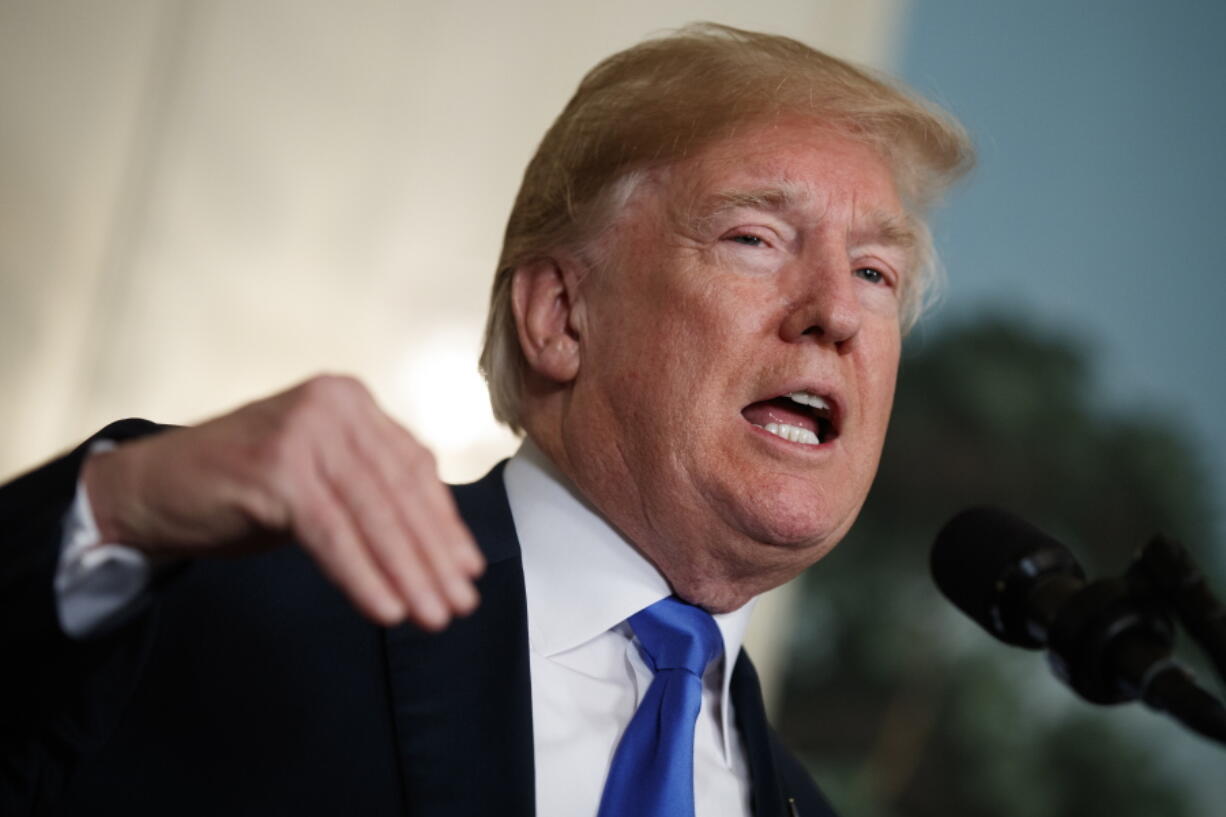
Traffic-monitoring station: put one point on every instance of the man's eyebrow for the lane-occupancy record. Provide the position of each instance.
(880, 226)
(889, 229)
(767, 199)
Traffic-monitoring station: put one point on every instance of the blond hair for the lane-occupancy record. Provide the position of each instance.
(670, 97)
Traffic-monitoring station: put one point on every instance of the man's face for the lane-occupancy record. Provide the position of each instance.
(768, 265)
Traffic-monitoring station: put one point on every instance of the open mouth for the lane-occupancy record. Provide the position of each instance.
(799, 417)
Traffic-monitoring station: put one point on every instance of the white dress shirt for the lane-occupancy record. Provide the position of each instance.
(96, 583)
(583, 580)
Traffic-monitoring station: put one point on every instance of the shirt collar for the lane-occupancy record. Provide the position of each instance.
(581, 575)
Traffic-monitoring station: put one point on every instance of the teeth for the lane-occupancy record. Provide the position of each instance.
(793, 433)
(809, 399)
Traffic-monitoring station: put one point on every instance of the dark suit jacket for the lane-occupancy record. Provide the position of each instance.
(251, 686)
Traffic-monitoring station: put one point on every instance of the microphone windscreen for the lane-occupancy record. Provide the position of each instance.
(975, 558)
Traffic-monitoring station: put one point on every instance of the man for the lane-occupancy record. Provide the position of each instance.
(696, 322)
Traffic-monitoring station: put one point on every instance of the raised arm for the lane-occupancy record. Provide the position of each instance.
(319, 464)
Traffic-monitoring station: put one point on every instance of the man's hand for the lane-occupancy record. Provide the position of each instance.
(320, 464)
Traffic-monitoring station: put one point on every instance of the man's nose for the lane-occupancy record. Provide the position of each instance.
(826, 307)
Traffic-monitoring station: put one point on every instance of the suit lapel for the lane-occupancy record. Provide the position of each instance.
(461, 699)
(768, 797)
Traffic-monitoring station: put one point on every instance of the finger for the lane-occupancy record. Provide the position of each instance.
(442, 551)
(439, 539)
(384, 536)
(330, 536)
(416, 467)
(409, 471)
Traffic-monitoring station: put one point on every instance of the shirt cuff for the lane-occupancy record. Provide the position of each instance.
(96, 584)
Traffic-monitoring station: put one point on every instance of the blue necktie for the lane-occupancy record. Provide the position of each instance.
(653, 768)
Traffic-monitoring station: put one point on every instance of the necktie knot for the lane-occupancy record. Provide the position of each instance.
(676, 635)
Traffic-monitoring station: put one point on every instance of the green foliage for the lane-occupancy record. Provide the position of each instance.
(901, 707)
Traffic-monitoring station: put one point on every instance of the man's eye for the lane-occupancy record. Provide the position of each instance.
(873, 276)
(747, 239)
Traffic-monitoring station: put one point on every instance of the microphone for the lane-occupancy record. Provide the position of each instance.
(1110, 640)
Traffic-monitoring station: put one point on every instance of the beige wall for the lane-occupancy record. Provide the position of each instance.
(203, 201)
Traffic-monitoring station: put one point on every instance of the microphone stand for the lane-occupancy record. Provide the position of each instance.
(1164, 572)
(1166, 567)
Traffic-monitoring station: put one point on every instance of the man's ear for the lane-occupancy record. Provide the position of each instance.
(545, 298)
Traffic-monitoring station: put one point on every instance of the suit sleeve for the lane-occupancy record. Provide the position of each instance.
(59, 697)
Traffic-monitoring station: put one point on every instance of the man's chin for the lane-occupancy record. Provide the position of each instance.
(791, 524)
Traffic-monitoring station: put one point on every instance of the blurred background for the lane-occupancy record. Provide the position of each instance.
(203, 201)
